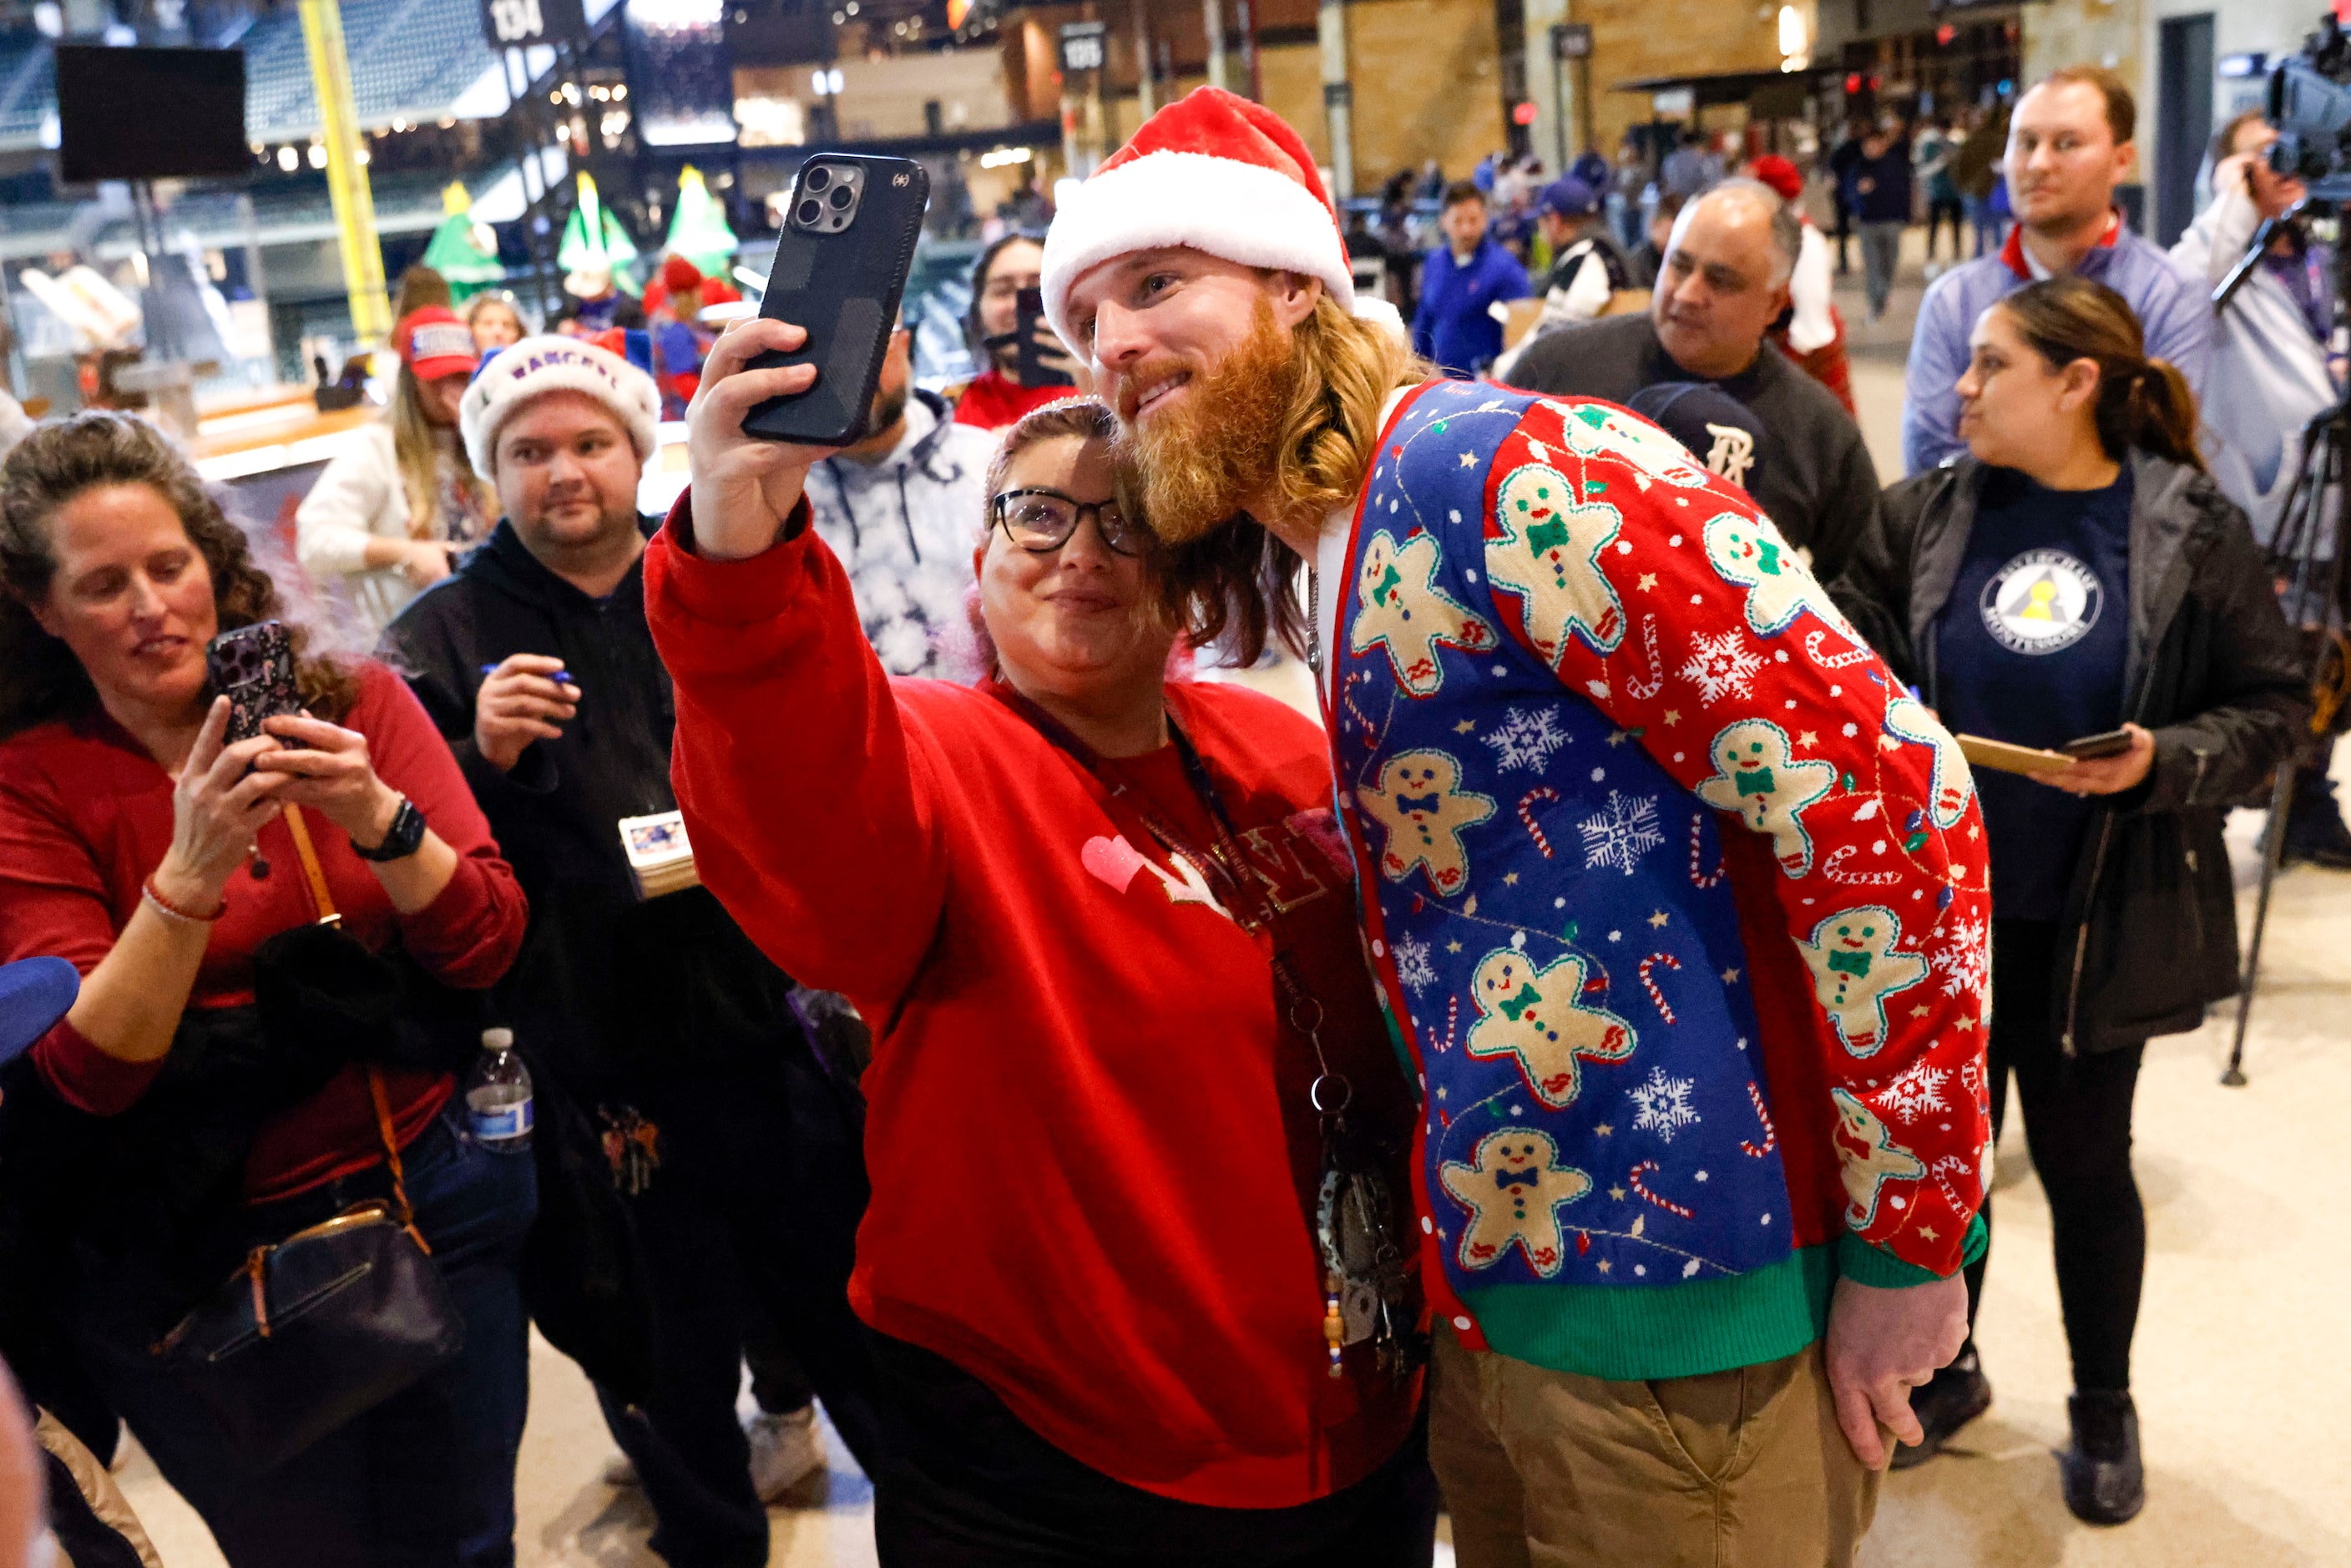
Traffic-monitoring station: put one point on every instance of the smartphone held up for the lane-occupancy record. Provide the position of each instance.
(253, 666)
(841, 268)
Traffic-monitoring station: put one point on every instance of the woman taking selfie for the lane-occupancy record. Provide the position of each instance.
(160, 858)
(2077, 575)
(1104, 925)
(387, 514)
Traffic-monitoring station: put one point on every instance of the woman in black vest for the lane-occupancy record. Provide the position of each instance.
(2079, 573)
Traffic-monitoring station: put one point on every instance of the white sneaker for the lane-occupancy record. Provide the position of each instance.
(784, 1449)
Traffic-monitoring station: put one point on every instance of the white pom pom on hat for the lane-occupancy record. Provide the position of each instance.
(522, 372)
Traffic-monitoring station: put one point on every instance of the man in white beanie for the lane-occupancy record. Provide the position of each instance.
(665, 1051)
(1654, 860)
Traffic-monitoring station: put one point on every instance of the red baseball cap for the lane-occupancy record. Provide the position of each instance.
(433, 342)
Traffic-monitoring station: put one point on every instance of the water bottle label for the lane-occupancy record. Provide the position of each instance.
(501, 1122)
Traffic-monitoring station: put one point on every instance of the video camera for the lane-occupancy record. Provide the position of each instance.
(2310, 104)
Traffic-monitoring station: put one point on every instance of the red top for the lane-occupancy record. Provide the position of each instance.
(995, 400)
(1093, 1159)
(86, 816)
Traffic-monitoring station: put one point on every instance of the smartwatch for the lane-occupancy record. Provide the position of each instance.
(401, 840)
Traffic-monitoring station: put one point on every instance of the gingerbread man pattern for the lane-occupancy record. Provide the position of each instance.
(1537, 1016)
(1595, 430)
(1868, 1158)
(1421, 804)
(1855, 969)
(1750, 551)
(1757, 776)
(1549, 554)
(1404, 609)
(1954, 785)
(1513, 1191)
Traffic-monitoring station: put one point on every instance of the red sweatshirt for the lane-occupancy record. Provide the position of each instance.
(1092, 1160)
(85, 816)
(995, 400)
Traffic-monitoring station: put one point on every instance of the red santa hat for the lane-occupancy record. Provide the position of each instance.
(1215, 172)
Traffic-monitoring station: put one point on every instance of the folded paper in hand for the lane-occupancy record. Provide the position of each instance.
(660, 858)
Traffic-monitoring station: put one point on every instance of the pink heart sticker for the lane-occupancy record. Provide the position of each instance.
(1115, 860)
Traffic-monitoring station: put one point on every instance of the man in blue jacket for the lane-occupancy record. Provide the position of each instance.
(2069, 145)
(1460, 283)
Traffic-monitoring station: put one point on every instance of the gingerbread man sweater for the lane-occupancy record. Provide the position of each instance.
(1678, 898)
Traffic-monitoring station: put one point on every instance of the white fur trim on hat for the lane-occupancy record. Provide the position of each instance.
(1244, 212)
(527, 370)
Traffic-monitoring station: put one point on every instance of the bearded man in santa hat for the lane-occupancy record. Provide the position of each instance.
(1677, 898)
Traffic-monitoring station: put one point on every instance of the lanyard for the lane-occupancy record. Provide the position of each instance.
(1244, 887)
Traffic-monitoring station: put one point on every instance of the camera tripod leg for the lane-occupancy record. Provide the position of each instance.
(2273, 852)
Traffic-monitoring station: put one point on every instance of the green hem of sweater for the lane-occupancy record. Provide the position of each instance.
(1629, 1335)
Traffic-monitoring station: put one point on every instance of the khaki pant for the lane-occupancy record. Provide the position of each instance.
(1734, 1469)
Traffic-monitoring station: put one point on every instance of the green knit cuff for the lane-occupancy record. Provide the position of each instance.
(1859, 1260)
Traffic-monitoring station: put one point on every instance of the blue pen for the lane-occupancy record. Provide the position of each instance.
(561, 677)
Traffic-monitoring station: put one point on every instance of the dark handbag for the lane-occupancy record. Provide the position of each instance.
(316, 1330)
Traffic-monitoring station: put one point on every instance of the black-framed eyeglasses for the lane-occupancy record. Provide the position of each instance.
(1041, 522)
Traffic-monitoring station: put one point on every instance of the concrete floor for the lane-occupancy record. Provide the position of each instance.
(2247, 1280)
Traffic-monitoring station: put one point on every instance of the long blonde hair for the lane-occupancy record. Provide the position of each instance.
(1241, 578)
(417, 448)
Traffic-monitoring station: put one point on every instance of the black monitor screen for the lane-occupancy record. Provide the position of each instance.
(149, 114)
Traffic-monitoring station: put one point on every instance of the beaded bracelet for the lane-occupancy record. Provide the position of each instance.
(165, 907)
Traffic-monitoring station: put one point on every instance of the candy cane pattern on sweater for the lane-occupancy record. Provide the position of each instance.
(1771, 1133)
(1832, 661)
(1650, 986)
(1668, 1204)
(1698, 845)
(1641, 691)
(1527, 815)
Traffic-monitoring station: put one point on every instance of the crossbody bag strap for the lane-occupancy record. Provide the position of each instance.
(325, 901)
(316, 876)
(406, 1214)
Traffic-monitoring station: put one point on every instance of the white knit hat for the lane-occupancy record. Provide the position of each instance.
(525, 371)
(1215, 172)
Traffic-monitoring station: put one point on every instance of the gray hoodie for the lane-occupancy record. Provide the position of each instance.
(903, 527)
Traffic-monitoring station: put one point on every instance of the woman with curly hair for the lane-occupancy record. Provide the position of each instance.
(162, 859)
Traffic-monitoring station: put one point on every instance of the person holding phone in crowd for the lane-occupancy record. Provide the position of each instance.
(1012, 381)
(1101, 923)
(388, 513)
(2079, 571)
(158, 853)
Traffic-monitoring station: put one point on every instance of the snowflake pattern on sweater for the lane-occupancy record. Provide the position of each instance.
(1562, 649)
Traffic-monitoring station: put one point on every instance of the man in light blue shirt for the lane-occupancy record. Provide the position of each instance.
(2069, 145)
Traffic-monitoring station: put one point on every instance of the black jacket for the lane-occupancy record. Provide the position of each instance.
(662, 1007)
(1811, 474)
(2149, 936)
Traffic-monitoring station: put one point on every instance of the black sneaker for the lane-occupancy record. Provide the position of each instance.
(2104, 1482)
(1956, 1395)
(2316, 833)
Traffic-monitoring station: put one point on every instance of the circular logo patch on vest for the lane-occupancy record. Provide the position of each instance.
(2042, 601)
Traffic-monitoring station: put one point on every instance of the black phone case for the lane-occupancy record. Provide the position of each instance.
(1034, 371)
(844, 289)
(253, 666)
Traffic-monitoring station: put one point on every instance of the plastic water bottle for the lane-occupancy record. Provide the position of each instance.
(497, 1095)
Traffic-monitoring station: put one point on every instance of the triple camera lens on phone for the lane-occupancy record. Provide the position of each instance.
(828, 196)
